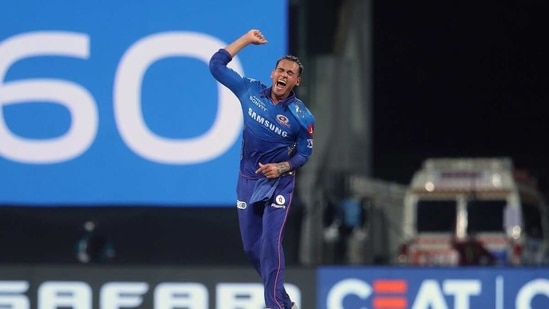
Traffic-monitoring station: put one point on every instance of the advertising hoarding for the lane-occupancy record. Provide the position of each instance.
(144, 287)
(112, 102)
(432, 288)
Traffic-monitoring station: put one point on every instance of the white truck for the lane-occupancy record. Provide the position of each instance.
(450, 200)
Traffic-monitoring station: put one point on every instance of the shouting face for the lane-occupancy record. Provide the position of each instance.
(285, 77)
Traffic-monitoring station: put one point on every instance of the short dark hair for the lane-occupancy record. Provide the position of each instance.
(294, 59)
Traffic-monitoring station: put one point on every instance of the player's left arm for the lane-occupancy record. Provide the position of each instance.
(304, 143)
(304, 149)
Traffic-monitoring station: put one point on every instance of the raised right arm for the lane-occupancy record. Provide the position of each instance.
(219, 61)
(253, 36)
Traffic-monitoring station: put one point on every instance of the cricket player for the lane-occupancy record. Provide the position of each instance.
(277, 139)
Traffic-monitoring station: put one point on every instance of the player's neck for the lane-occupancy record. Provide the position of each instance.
(277, 99)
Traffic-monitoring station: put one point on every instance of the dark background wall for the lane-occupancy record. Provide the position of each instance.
(139, 235)
(460, 78)
(450, 78)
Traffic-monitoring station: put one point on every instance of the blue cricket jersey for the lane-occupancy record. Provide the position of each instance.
(272, 132)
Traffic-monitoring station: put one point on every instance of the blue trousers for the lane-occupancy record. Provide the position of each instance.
(262, 231)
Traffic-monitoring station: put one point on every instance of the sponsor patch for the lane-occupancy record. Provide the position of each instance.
(258, 103)
(277, 206)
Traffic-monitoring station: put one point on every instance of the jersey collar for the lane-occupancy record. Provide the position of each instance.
(267, 93)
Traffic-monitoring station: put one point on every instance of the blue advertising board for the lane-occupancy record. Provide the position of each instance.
(112, 102)
(432, 288)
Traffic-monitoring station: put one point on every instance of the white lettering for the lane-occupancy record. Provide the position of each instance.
(127, 101)
(244, 295)
(258, 103)
(181, 295)
(340, 290)
(269, 125)
(11, 294)
(529, 291)
(60, 294)
(115, 295)
(462, 291)
(248, 295)
(429, 296)
(79, 102)
(122, 295)
(130, 122)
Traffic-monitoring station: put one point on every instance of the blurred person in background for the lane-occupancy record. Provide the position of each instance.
(472, 252)
(277, 139)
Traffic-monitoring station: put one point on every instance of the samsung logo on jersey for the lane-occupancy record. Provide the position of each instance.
(258, 103)
(271, 126)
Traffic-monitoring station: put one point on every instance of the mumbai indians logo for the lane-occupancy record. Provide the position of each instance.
(280, 200)
(283, 120)
(241, 205)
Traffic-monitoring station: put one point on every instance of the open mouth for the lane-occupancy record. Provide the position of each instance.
(281, 84)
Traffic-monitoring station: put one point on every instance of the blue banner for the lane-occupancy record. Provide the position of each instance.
(432, 288)
(112, 102)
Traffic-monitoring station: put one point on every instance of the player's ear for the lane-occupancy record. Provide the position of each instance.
(298, 81)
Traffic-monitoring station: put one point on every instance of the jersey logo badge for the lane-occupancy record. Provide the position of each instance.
(283, 120)
(241, 205)
(310, 129)
(280, 200)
